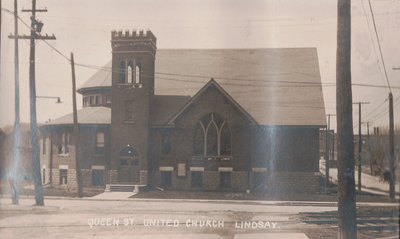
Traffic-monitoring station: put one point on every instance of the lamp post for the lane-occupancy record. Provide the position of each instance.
(50, 97)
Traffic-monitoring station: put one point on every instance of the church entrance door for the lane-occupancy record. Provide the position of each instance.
(129, 172)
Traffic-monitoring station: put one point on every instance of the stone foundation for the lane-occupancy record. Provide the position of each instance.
(282, 182)
(143, 177)
(211, 181)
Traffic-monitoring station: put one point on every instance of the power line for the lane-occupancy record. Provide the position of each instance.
(379, 116)
(370, 35)
(379, 45)
(372, 111)
(292, 83)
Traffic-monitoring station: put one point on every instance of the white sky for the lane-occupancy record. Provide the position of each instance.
(84, 26)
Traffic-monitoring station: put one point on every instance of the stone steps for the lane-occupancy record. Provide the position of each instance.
(120, 188)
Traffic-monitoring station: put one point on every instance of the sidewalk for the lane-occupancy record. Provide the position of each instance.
(369, 183)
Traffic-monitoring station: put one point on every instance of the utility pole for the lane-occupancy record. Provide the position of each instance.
(333, 145)
(17, 125)
(327, 153)
(369, 148)
(391, 150)
(76, 130)
(391, 147)
(359, 142)
(36, 27)
(0, 33)
(344, 114)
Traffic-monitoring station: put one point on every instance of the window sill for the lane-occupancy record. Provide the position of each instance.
(64, 155)
(130, 85)
(218, 158)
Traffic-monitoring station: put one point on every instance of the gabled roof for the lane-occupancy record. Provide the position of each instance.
(87, 115)
(211, 83)
(164, 106)
(280, 87)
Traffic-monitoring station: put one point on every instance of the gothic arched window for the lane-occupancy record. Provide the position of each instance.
(129, 73)
(198, 146)
(214, 133)
(137, 74)
(225, 140)
(212, 139)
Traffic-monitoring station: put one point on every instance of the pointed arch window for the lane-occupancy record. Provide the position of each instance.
(225, 140)
(198, 139)
(212, 139)
(129, 73)
(212, 136)
(137, 74)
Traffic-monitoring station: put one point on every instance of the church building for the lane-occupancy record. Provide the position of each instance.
(193, 119)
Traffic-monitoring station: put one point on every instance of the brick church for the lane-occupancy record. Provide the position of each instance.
(193, 119)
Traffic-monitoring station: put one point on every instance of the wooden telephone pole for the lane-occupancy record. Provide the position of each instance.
(344, 114)
(36, 27)
(391, 150)
(17, 126)
(76, 130)
(359, 143)
(327, 147)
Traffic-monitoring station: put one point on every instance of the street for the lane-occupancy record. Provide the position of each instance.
(142, 218)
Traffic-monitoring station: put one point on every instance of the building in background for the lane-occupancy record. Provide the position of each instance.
(6, 152)
(194, 119)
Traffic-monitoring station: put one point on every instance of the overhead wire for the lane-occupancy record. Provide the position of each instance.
(280, 83)
(370, 36)
(379, 45)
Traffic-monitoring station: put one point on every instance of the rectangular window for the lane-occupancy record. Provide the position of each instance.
(85, 101)
(63, 176)
(129, 114)
(97, 177)
(108, 99)
(259, 180)
(91, 100)
(43, 176)
(197, 179)
(63, 141)
(44, 146)
(225, 179)
(165, 145)
(97, 100)
(166, 178)
(100, 142)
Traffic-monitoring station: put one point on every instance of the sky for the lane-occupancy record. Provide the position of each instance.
(84, 28)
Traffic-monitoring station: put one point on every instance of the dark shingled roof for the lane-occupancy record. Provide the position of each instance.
(274, 86)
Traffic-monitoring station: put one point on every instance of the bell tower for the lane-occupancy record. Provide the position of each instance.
(133, 59)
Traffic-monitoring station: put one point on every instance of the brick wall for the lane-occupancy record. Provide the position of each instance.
(71, 179)
(86, 177)
(240, 181)
(211, 180)
(287, 182)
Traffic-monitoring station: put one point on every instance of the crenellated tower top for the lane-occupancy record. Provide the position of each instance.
(128, 41)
